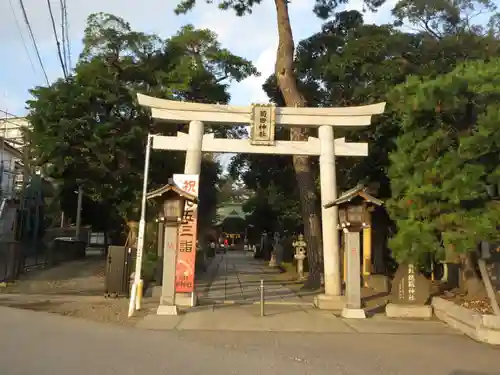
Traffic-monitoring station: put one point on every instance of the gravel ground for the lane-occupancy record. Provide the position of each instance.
(82, 277)
(112, 311)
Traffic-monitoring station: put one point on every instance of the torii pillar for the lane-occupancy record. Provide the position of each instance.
(264, 118)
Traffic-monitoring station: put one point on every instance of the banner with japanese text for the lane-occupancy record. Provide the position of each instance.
(187, 237)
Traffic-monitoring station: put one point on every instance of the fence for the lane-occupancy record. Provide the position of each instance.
(11, 261)
(17, 257)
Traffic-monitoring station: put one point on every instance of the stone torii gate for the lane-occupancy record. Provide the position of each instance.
(263, 120)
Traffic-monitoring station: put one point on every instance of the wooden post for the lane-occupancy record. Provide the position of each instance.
(367, 251)
(344, 275)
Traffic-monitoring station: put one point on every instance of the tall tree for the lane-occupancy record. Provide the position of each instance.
(350, 63)
(89, 129)
(287, 83)
(446, 158)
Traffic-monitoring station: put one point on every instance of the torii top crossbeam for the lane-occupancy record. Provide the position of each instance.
(185, 112)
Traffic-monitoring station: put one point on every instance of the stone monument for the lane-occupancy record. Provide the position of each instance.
(300, 254)
(410, 294)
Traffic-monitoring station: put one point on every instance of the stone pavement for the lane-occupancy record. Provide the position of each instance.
(229, 299)
(285, 318)
(235, 278)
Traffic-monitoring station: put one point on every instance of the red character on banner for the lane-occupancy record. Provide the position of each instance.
(189, 186)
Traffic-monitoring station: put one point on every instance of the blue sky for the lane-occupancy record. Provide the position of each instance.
(253, 37)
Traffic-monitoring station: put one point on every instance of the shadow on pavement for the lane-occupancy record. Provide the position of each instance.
(463, 372)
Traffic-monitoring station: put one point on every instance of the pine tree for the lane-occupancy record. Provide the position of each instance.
(447, 155)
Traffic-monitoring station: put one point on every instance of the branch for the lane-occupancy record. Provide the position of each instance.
(223, 78)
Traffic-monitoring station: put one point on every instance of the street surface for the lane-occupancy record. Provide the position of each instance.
(36, 343)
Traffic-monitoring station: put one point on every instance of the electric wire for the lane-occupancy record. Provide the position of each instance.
(9, 114)
(26, 20)
(58, 44)
(18, 25)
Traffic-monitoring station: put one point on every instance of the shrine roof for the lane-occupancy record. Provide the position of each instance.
(357, 191)
(169, 189)
(230, 211)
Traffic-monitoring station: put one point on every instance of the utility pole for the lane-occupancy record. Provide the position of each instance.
(79, 211)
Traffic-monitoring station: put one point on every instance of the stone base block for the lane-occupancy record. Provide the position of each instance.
(349, 313)
(186, 299)
(393, 310)
(167, 310)
(327, 302)
(156, 291)
(379, 283)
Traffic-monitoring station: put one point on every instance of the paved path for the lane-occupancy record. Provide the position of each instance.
(235, 278)
(45, 344)
(286, 318)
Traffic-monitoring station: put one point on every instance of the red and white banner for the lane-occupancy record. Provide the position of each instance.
(186, 240)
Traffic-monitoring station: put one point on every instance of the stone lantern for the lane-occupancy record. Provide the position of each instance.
(300, 255)
(172, 201)
(354, 215)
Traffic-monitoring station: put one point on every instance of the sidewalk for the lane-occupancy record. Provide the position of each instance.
(286, 318)
(234, 278)
(229, 300)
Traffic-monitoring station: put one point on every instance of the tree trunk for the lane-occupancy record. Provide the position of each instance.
(472, 283)
(309, 202)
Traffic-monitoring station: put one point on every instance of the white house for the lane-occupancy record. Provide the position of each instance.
(11, 169)
(11, 158)
(11, 128)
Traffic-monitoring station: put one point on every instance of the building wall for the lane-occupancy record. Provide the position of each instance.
(8, 172)
(11, 128)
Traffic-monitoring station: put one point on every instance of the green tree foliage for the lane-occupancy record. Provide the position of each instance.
(293, 97)
(89, 130)
(352, 63)
(441, 18)
(446, 156)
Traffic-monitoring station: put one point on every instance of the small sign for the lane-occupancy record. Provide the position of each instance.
(263, 124)
(188, 183)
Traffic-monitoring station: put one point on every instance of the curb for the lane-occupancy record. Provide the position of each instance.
(480, 327)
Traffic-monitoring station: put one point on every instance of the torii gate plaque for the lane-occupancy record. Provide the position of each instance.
(264, 118)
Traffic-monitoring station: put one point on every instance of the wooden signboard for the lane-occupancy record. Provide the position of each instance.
(263, 124)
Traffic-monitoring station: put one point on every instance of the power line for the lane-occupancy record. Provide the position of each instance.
(58, 44)
(8, 113)
(22, 36)
(26, 20)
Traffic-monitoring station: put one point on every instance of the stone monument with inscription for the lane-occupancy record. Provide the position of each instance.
(410, 294)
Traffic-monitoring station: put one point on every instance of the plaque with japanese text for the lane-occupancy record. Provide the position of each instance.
(263, 124)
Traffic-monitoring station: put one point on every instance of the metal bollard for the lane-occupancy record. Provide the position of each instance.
(262, 298)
